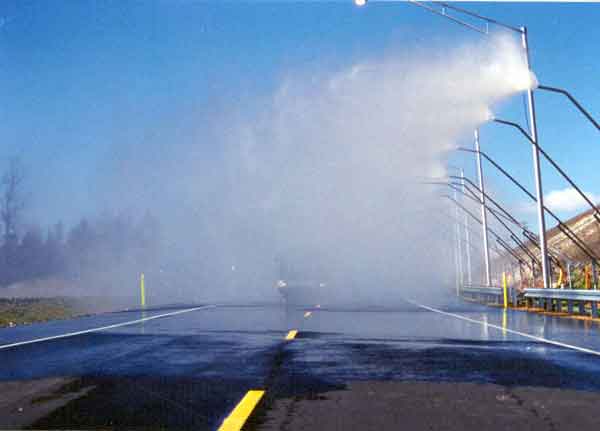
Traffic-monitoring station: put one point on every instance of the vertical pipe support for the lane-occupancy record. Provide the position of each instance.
(467, 236)
(536, 169)
(486, 247)
(505, 290)
(456, 266)
(458, 242)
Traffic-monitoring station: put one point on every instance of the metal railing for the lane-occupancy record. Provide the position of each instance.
(484, 290)
(560, 300)
(564, 294)
(553, 300)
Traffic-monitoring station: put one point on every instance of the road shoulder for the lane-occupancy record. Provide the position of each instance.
(375, 405)
(23, 402)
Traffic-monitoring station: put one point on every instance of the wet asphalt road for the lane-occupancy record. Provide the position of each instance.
(188, 371)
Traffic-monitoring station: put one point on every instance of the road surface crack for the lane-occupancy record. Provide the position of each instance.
(533, 409)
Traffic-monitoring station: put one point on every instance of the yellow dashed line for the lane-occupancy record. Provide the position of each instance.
(291, 335)
(240, 414)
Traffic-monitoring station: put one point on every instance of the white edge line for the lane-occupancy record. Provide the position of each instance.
(512, 331)
(103, 328)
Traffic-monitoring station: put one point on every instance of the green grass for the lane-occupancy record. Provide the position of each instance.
(24, 311)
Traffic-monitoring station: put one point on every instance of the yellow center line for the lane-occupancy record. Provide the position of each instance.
(307, 314)
(291, 335)
(240, 414)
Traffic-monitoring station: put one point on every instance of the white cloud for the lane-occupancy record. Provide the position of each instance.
(568, 200)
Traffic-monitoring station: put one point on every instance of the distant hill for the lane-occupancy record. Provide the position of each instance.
(586, 227)
(565, 254)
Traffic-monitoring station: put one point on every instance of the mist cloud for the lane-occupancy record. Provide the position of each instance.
(327, 169)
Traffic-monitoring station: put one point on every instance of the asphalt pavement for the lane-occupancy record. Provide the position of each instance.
(188, 370)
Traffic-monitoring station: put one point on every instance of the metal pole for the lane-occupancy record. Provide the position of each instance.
(486, 249)
(456, 267)
(467, 238)
(458, 246)
(573, 101)
(537, 172)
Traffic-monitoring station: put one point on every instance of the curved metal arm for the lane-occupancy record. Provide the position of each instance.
(457, 186)
(442, 12)
(481, 17)
(496, 215)
(566, 230)
(504, 245)
(445, 15)
(496, 236)
(492, 200)
(513, 235)
(471, 230)
(518, 127)
(501, 169)
(472, 215)
(555, 165)
(573, 101)
(448, 234)
(526, 250)
(453, 218)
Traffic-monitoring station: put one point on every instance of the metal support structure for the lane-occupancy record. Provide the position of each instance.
(455, 238)
(502, 211)
(561, 225)
(486, 248)
(456, 268)
(467, 239)
(573, 101)
(513, 236)
(441, 8)
(554, 165)
(458, 248)
(471, 228)
(536, 169)
(498, 238)
(497, 215)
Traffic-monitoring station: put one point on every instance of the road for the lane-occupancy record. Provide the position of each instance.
(188, 370)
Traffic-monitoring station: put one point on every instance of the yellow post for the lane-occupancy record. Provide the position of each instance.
(142, 291)
(505, 289)
(561, 276)
(588, 277)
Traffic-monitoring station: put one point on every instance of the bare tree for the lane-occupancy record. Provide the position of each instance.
(12, 201)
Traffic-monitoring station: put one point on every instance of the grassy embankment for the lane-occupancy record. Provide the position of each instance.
(26, 310)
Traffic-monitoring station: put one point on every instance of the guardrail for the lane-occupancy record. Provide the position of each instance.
(482, 289)
(584, 302)
(555, 299)
(486, 293)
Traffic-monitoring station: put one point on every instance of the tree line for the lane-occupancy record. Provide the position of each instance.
(28, 253)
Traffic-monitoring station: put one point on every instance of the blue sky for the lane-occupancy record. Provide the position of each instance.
(86, 84)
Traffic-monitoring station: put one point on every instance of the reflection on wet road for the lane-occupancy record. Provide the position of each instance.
(193, 367)
(416, 344)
